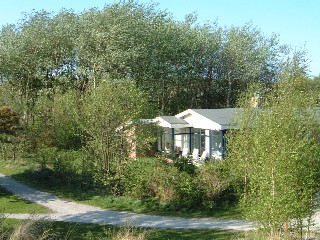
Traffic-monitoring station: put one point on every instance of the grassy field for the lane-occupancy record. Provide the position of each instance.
(59, 230)
(10, 203)
(26, 172)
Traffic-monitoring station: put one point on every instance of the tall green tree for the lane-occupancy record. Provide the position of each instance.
(179, 64)
(11, 129)
(108, 117)
(9, 126)
(274, 154)
(244, 57)
(35, 53)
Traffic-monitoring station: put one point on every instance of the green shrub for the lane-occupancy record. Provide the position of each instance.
(135, 177)
(188, 193)
(185, 164)
(66, 135)
(162, 182)
(149, 177)
(63, 167)
(67, 165)
(206, 187)
(214, 184)
(179, 185)
(46, 156)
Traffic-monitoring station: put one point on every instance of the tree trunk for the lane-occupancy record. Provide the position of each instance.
(229, 89)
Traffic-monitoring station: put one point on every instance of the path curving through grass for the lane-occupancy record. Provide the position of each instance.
(68, 211)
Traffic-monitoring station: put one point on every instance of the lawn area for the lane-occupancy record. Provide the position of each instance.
(10, 203)
(26, 173)
(61, 230)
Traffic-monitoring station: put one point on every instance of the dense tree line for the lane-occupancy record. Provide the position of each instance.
(179, 64)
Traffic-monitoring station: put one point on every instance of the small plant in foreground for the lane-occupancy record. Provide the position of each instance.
(29, 230)
(129, 233)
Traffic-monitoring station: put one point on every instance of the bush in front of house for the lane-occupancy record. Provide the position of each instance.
(215, 185)
(180, 185)
(149, 177)
(185, 164)
(63, 167)
(207, 187)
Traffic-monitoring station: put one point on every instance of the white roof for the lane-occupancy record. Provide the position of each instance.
(214, 119)
(172, 122)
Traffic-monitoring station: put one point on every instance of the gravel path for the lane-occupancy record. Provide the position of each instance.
(68, 211)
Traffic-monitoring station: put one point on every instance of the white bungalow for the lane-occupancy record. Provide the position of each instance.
(202, 130)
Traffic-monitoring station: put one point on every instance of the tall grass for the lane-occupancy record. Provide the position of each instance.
(129, 233)
(33, 230)
(26, 230)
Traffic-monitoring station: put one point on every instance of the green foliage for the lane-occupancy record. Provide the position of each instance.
(215, 185)
(80, 81)
(83, 189)
(275, 154)
(207, 188)
(66, 131)
(188, 193)
(179, 64)
(149, 177)
(62, 230)
(107, 116)
(55, 122)
(35, 54)
(175, 185)
(185, 164)
(63, 167)
(66, 135)
(9, 130)
(46, 156)
(67, 165)
(9, 121)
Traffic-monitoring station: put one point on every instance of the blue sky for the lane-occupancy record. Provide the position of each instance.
(296, 21)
